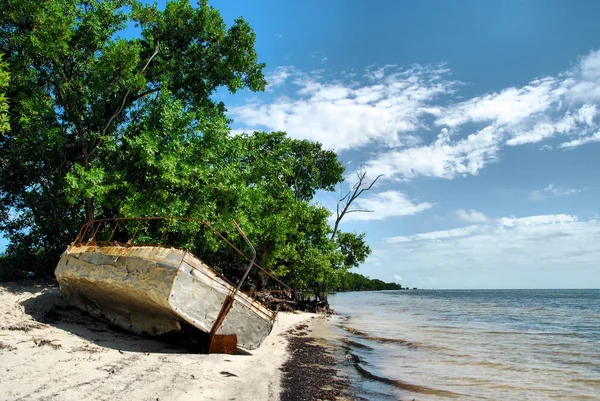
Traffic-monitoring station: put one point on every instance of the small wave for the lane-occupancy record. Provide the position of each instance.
(530, 333)
(383, 340)
(577, 363)
(415, 388)
(485, 363)
(357, 332)
(355, 344)
(589, 382)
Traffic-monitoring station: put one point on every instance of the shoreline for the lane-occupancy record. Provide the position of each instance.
(49, 350)
(314, 367)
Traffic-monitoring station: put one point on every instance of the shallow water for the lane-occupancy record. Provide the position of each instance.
(472, 344)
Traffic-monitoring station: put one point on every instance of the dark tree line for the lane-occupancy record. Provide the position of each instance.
(357, 282)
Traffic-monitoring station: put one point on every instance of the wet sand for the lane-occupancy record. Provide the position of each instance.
(50, 351)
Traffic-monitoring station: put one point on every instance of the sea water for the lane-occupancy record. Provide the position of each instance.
(471, 344)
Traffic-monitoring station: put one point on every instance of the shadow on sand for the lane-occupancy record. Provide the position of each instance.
(51, 309)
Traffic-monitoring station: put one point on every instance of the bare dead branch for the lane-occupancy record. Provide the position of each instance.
(156, 49)
(343, 205)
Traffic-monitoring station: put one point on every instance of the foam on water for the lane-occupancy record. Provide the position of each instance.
(472, 344)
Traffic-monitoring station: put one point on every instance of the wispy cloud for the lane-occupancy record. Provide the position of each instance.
(279, 76)
(443, 158)
(581, 120)
(581, 141)
(500, 224)
(345, 115)
(470, 216)
(384, 205)
(552, 191)
(396, 109)
(565, 104)
(499, 253)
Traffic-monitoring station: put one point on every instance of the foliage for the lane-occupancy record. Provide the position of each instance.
(104, 126)
(357, 282)
(76, 85)
(4, 80)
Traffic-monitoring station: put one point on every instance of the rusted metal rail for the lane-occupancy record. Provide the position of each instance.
(80, 239)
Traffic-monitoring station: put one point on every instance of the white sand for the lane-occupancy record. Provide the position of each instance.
(86, 361)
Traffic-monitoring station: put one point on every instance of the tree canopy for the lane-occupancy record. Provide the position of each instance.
(103, 125)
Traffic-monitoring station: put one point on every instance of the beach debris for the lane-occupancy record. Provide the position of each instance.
(228, 374)
(6, 347)
(321, 379)
(42, 342)
(25, 326)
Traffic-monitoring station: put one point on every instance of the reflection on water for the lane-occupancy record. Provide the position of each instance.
(472, 344)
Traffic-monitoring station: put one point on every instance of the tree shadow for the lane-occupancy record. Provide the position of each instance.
(50, 308)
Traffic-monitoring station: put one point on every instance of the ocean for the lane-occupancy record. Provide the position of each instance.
(471, 344)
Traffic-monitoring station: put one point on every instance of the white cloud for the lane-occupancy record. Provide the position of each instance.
(580, 120)
(506, 106)
(514, 116)
(396, 108)
(347, 115)
(583, 81)
(581, 141)
(536, 220)
(443, 158)
(470, 216)
(478, 229)
(539, 110)
(529, 252)
(279, 76)
(552, 190)
(384, 205)
(436, 235)
(513, 106)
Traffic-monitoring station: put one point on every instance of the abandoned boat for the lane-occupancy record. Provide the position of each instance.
(155, 290)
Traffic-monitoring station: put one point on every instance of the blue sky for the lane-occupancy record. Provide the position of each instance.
(483, 116)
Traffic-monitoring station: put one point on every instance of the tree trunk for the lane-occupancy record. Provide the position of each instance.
(89, 210)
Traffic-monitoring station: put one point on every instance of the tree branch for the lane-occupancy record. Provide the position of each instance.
(145, 93)
(357, 189)
(120, 109)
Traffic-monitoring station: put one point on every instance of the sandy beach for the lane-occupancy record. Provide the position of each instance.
(50, 351)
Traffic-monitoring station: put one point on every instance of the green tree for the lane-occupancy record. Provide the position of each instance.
(77, 84)
(353, 247)
(105, 126)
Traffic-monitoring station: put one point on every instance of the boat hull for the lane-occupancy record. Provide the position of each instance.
(152, 290)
